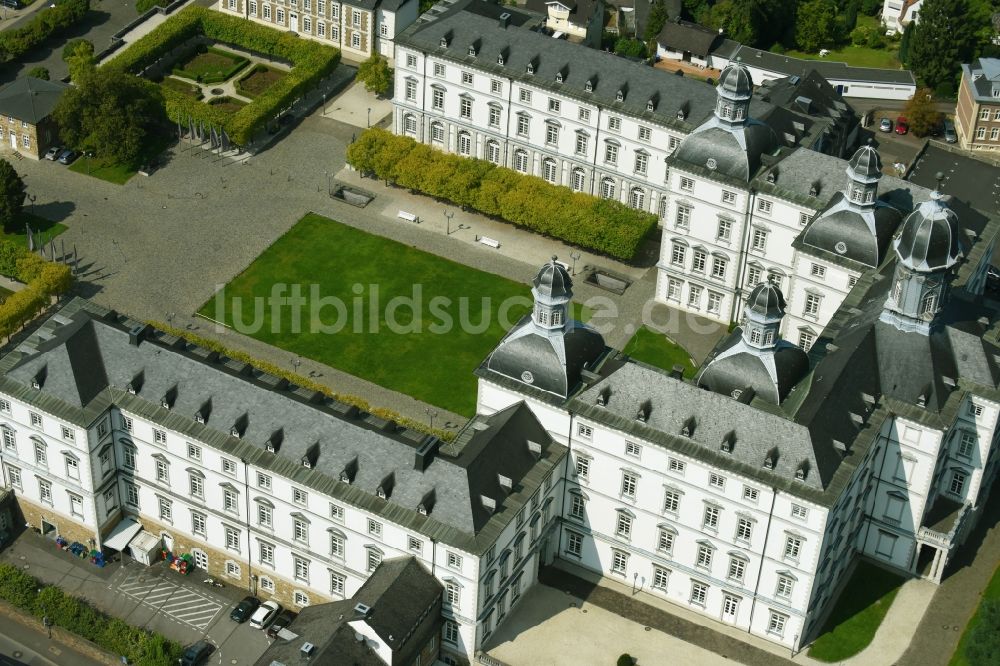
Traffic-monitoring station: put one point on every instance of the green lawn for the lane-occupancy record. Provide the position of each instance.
(861, 56)
(992, 591)
(113, 172)
(211, 66)
(48, 228)
(659, 351)
(432, 362)
(859, 611)
(260, 78)
(184, 87)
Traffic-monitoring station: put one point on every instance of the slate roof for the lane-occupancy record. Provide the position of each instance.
(789, 66)
(681, 35)
(401, 595)
(30, 99)
(732, 152)
(580, 11)
(84, 361)
(770, 374)
(467, 25)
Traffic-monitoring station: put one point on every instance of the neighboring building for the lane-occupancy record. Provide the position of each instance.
(580, 20)
(394, 619)
(274, 488)
(748, 494)
(358, 28)
(977, 115)
(897, 14)
(479, 80)
(686, 41)
(26, 125)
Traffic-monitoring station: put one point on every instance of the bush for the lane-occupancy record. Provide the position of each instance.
(143, 6)
(43, 280)
(624, 660)
(138, 645)
(983, 648)
(77, 47)
(46, 23)
(602, 225)
(39, 73)
(311, 62)
(630, 47)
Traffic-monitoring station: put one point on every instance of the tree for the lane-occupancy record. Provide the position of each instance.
(39, 73)
(375, 74)
(946, 36)
(816, 24)
(77, 47)
(110, 113)
(632, 48)
(758, 23)
(12, 193)
(657, 18)
(904, 43)
(921, 114)
(983, 648)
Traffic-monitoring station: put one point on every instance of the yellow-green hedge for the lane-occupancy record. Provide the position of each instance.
(43, 280)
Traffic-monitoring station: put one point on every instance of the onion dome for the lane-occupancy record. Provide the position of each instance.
(553, 281)
(766, 300)
(735, 81)
(865, 165)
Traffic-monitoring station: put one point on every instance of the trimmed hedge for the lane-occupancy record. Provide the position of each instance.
(141, 647)
(43, 279)
(237, 63)
(311, 62)
(602, 225)
(304, 382)
(47, 22)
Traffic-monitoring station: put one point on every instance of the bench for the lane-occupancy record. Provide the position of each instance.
(486, 240)
(409, 217)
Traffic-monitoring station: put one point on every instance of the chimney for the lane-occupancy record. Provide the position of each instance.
(505, 20)
(138, 333)
(425, 452)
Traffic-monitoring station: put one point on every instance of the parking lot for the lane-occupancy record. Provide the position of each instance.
(181, 603)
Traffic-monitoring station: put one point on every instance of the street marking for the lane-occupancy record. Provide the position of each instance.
(178, 603)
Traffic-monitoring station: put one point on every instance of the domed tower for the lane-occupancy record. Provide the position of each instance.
(756, 358)
(855, 224)
(864, 170)
(548, 350)
(732, 106)
(730, 142)
(928, 247)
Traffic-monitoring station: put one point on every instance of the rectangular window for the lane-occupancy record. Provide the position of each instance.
(265, 516)
(374, 528)
(414, 544)
(496, 87)
(705, 553)
(159, 436)
(523, 125)
(453, 595)
(645, 133)
(629, 481)
(744, 529)
(166, 510)
(759, 240)
(76, 505)
(162, 471)
(737, 568)
(45, 491)
(614, 123)
(975, 409)
(577, 507)
(714, 302)
(582, 467)
(411, 90)
(337, 584)
(301, 569)
(356, 19)
(674, 288)
(132, 494)
(337, 512)
(783, 590)
(957, 484)
(266, 553)
(230, 501)
(574, 544)
(585, 115)
(494, 116)
(676, 465)
(619, 562)
(300, 531)
(300, 496)
(623, 527)
(811, 307)
(687, 184)
(665, 541)
(725, 232)
(817, 271)
(632, 449)
(719, 265)
(198, 524)
(73, 468)
(232, 539)
(585, 431)
(450, 632)
(5, 407)
(454, 560)
(525, 96)
(641, 163)
(966, 443)
(799, 511)
(263, 481)
(36, 420)
(716, 480)
(336, 545)
(660, 578)
(581, 144)
(764, 206)
(551, 134)
(14, 474)
(728, 197)
(671, 501)
(610, 154)
(678, 253)
(776, 624)
(699, 592)
(698, 261)
(229, 466)
(694, 296)
(806, 340)
(465, 107)
(711, 518)
(68, 434)
(683, 218)
(793, 547)
(437, 99)
(196, 486)
(554, 105)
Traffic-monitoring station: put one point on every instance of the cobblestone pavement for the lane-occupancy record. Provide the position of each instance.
(958, 595)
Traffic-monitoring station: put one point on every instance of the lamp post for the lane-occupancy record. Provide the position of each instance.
(31, 199)
(324, 104)
(447, 217)
(45, 616)
(369, 116)
(296, 362)
(431, 414)
(90, 156)
(574, 256)
(635, 581)
(327, 182)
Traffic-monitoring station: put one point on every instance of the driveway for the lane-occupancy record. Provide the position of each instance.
(179, 607)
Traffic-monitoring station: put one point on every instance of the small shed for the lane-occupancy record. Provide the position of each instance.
(145, 548)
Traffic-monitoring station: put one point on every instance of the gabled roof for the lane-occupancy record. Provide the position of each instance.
(29, 99)
(681, 35)
(398, 594)
(580, 11)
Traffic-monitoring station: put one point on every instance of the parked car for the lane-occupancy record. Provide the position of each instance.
(264, 616)
(197, 654)
(949, 131)
(67, 156)
(885, 125)
(53, 152)
(902, 125)
(11, 4)
(284, 619)
(243, 610)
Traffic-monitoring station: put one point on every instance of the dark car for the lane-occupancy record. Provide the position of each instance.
(902, 125)
(11, 4)
(243, 610)
(949, 131)
(67, 156)
(283, 620)
(197, 653)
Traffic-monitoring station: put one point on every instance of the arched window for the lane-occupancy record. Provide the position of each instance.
(437, 132)
(464, 143)
(410, 124)
(579, 179)
(521, 161)
(549, 170)
(493, 151)
(607, 188)
(637, 198)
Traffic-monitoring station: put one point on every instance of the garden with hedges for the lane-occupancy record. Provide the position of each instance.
(311, 62)
(604, 226)
(43, 280)
(139, 646)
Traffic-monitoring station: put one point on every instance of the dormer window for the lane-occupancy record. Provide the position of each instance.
(472, 50)
(422, 510)
(165, 403)
(199, 417)
(531, 68)
(500, 59)
(235, 432)
(443, 43)
(589, 86)
(620, 95)
(559, 77)
(129, 388)
(650, 106)
(680, 114)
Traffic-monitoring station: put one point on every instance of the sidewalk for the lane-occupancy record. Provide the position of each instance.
(893, 637)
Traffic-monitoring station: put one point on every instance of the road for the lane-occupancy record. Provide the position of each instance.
(34, 648)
